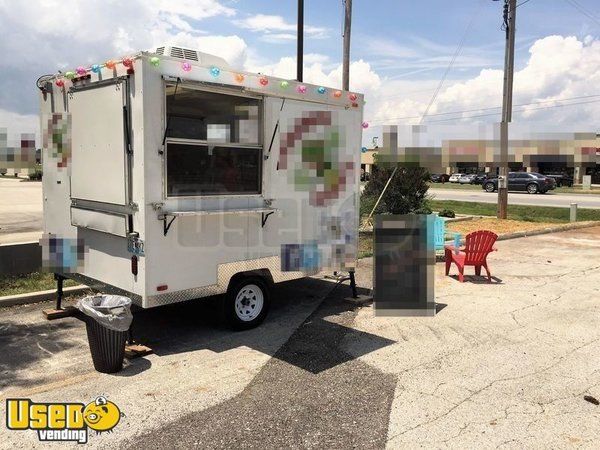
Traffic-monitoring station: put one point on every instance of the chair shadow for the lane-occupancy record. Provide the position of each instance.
(478, 279)
(439, 307)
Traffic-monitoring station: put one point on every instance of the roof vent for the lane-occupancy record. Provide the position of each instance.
(178, 52)
(191, 55)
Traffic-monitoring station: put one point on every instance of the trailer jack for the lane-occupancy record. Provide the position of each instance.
(134, 349)
(59, 312)
(356, 299)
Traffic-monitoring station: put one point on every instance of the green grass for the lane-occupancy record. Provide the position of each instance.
(12, 285)
(576, 190)
(365, 244)
(516, 212)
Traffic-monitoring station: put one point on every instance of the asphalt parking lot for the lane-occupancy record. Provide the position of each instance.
(502, 365)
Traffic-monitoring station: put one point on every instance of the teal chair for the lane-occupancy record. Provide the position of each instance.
(439, 232)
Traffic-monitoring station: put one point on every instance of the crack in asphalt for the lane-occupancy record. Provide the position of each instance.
(478, 391)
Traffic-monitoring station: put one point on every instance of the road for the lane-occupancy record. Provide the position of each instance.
(519, 198)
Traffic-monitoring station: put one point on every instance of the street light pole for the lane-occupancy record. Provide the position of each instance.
(510, 18)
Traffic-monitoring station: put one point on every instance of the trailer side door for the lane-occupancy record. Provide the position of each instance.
(99, 141)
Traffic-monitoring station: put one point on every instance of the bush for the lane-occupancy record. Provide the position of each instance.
(406, 193)
(423, 210)
(447, 213)
(37, 174)
(366, 204)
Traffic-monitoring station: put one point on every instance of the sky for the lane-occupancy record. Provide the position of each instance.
(401, 50)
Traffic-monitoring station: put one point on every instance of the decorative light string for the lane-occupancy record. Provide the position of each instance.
(186, 66)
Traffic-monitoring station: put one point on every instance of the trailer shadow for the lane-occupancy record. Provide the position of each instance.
(312, 307)
(35, 351)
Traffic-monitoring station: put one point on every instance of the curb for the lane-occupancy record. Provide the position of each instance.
(520, 234)
(574, 226)
(461, 219)
(40, 296)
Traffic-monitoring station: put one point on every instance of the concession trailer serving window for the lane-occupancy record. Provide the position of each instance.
(213, 143)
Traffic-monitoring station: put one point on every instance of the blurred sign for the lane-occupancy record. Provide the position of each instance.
(587, 182)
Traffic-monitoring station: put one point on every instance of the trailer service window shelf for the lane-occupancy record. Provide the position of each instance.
(264, 211)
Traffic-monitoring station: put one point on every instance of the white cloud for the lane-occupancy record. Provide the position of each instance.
(278, 38)
(231, 48)
(45, 38)
(16, 124)
(311, 58)
(362, 78)
(558, 67)
(41, 37)
(194, 9)
(276, 28)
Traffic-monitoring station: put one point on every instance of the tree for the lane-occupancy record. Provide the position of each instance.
(406, 193)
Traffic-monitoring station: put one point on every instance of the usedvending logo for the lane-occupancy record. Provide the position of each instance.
(62, 421)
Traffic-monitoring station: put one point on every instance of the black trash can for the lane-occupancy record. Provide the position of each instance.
(107, 321)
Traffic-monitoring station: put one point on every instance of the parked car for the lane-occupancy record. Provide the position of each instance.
(480, 178)
(467, 179)
(531, 183)
(455, 177)
(439, 177)
(562, 179)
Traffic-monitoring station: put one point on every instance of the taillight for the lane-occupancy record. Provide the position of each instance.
(134, 265)
(162, 287)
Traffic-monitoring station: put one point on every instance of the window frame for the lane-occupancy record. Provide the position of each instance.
(260, 146)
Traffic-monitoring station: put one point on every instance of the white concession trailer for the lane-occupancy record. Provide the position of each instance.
(170, 176)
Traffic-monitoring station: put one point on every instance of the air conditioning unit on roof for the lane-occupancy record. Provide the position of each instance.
(192, 55)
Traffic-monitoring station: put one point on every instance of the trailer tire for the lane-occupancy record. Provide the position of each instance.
(246, 303)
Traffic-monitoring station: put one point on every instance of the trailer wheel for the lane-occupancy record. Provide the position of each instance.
(246, 303)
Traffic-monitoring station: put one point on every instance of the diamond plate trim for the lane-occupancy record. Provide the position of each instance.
(224, 273)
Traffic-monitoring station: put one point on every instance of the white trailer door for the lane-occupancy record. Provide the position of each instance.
(99, 158)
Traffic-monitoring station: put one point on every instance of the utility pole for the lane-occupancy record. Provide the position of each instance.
(300, 45)
(510, 19)
(346, 63)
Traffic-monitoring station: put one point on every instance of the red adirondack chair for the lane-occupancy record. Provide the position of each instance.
(477, 246)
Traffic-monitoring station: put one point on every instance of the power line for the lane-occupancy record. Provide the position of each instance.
(484, 109)
(451, 64)
(583, 10)
(523, 2)
(519, 111)
(458, 49)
